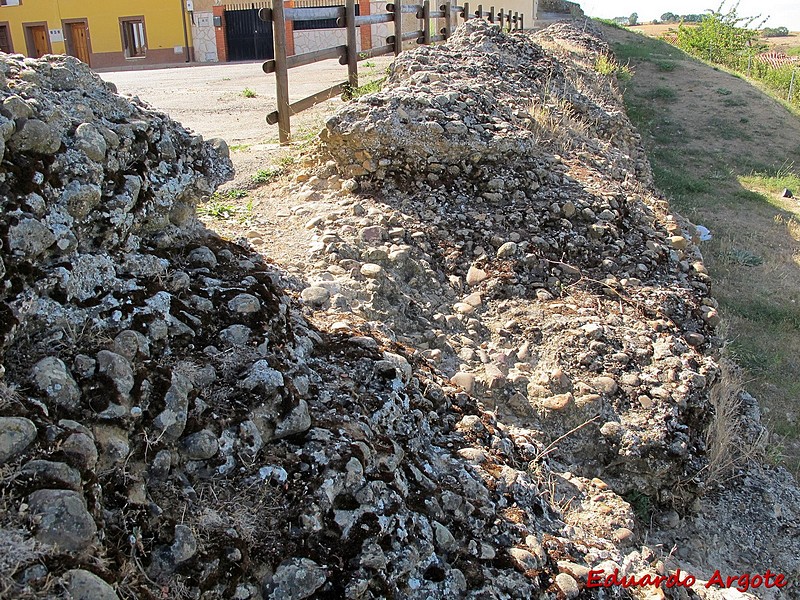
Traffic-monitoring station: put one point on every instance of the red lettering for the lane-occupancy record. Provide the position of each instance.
(730, 581)
(594, 579)
(744, 582)
(645, 580)
(767, 577)
(613, 579)
(780, 580)
(756, 581)
(674, 579)
(659, 580)
(716, 579)
(689, 581)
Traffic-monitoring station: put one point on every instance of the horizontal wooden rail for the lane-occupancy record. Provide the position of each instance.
(314, 14)
(435, 14)
(405, 8)
(408, 35)
(307, 58)
(373, 52)
(312, 100)
(374, 19)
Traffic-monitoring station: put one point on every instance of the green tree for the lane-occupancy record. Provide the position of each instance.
(669, 17)
(775, 31)
(633, 19)
(722, 38)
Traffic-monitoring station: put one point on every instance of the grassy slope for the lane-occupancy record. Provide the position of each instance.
(723, 151)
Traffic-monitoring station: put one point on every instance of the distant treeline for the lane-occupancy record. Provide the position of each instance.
(669, 17)
(775, 31)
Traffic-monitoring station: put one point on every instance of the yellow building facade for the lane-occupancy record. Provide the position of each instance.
(101, 33)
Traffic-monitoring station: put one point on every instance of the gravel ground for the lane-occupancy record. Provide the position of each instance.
(210, 99)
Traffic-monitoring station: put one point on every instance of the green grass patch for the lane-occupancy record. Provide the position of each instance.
(248, 93)
(609, 22)
(217, 208)
(642, 505)
(734, 101)
(239, 147)
(362, 90)
(648, 49)
(638, 50)
(745, 258)
(667, 66)
(661, 93)
(231, 194)
(776, 317)
(774, 182)
(608, 66)
(270, 174)
(749, 196)
(677, 182)
(795, 51)
(222, 206)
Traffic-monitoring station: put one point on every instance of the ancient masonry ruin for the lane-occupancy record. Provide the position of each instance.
(497, 375)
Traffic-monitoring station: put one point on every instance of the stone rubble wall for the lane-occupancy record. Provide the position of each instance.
(529, 340)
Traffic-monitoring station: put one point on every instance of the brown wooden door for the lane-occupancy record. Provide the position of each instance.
(5, 40)
(39, 43)
(79, 41)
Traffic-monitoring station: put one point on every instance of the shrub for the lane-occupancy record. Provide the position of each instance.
(722, 38)
(775, 31)
(606, 65)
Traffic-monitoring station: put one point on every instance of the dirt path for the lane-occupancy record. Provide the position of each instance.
(722, 150)
(210, 99)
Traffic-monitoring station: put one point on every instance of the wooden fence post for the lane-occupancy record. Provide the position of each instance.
(516, 18)
(466, 11)
(352, 48)
(426, 22)
(448, 23)
(491, 14)
(791, 86)
(479, 11)
(398, 27)
(521, 17)
(281, 72)
(500, 16)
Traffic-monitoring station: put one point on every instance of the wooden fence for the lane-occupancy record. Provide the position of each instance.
(348, 53)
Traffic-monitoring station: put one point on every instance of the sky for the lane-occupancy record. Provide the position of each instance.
(782, 13)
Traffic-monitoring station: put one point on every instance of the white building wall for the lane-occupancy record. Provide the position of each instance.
(205, 42)
(309, 40)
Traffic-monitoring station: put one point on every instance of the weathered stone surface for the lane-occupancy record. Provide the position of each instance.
(295, 579)
(16, 434)
(315, 295)
(251, 454)
(53, 379)
(37, 137)
(84, 585)
(50, 474)
(200, 445)
(62, 519)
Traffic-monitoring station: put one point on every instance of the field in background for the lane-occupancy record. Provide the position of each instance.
(784, 44)
(722, 151)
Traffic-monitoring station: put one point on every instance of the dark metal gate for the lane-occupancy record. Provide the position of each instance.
(247, 36)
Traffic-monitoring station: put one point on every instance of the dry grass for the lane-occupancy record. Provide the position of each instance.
(727, 447)
(554, 126)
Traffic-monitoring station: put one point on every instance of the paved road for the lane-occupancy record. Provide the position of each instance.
(209, 98)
